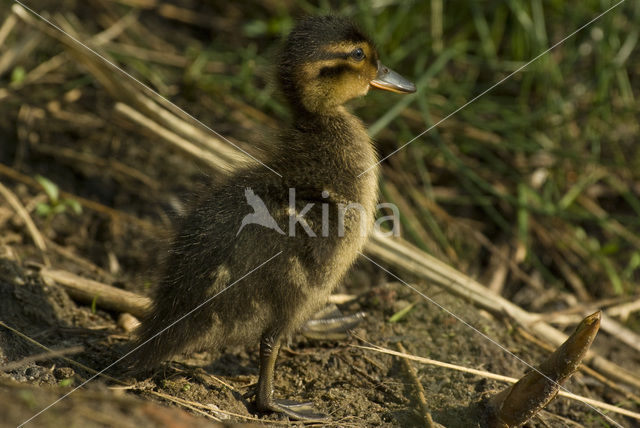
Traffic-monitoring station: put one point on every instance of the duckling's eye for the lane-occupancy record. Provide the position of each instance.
(357, 54)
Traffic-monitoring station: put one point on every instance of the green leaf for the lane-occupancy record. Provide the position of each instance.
(66, 382)
(57, 209)
(74, 205)
(43, 210)
(18, 74)
(255, 28)
(94, 304)
(402, 313)
(610, 248)
(50, 188)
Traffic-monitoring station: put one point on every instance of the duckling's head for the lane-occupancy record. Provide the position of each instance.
(327, 61)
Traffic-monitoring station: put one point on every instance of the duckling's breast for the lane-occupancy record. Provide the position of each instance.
(328, 162)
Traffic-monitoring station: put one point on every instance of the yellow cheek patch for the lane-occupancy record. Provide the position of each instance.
(335, 77)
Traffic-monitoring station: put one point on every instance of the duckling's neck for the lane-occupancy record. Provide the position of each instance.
(331, 151)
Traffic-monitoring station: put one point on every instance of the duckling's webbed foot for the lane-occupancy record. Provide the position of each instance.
(331, 324)
(295, 410)
(269, 347)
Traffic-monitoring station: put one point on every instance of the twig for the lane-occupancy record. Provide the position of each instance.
(172, 120)
(428, 421)
(340, 299)
(40, 357)
(24, 215)
(78, 260)
(423, 360)
(7, 27)
(105, 296)
(200, 374)
(185, 403)
(19, 51)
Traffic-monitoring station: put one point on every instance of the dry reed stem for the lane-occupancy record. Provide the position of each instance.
(608, 325)
(20, 50)
(6, 28)
(17, 206)
(124, 90)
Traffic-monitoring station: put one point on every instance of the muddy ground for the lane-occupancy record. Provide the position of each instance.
(354, 386)
(64, 128)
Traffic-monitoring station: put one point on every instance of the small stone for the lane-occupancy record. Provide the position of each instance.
(63, 373)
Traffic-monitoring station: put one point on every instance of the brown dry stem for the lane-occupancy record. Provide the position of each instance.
(15, 203)
(521, 401)
(425, 413)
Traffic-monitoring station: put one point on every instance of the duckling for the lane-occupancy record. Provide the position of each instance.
(265, 251)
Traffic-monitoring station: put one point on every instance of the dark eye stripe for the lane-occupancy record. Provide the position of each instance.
(334, 70)
(334, 55)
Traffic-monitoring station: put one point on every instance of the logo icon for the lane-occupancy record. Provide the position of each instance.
(260, 215)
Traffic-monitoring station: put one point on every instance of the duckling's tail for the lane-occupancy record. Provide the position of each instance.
(148, 349)
(159, 338)
(182, 318)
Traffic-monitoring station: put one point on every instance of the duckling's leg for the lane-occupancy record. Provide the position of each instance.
(269, 347)
(331, 324)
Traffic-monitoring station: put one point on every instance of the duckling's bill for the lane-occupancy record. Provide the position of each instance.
(389, 80)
